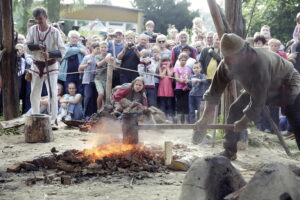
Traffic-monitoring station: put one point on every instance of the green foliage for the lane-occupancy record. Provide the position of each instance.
(53, 8)
(278, 14)
(22, 11)
(166, 12)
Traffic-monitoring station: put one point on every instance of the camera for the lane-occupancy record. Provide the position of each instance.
(130, 44)
(33, 21)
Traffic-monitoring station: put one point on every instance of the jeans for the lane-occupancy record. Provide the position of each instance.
(151, 96)
(90, 99)
(194, 104)
(293, 116)
(76, 110)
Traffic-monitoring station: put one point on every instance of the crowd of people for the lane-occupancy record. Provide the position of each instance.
(170, 72)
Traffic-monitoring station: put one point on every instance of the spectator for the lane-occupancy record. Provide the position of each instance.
(130, 59)
(259, 40)
(274, 46)
(161, 41)
(197, 85)
(71, 108)
(182, 75)
(150, 31)
(88, 66)
(165, 89)
(183, 41)
(209, 39)
(147, 70)
(71, 61)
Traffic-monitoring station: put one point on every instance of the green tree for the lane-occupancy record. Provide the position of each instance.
(166, 12)
(278, 14)
(53, 8)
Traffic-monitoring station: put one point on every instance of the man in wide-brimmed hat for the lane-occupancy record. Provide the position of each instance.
(266, 79)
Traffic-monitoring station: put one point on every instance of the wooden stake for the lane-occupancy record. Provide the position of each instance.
(215, 121)
(109, 83)
(168, 152)
(276, 130)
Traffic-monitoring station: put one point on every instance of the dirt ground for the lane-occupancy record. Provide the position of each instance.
(159, 186)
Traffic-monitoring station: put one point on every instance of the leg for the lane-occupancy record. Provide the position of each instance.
(53, 106)
(192, 108)
(293, 115)
(77, 112)
(235, 113)
(151, 96)
(36, 90)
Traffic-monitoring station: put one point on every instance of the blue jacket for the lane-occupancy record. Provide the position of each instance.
(71, 51)
(197, 88)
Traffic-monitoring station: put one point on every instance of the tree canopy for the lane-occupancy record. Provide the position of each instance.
(167, 12)
(278, 14)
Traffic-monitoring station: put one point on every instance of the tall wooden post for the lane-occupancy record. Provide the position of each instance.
(10, 91)
(109, 80)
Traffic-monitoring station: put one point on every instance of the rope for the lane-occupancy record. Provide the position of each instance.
(125, 69)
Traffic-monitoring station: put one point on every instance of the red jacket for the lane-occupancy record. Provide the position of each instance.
(124, 93)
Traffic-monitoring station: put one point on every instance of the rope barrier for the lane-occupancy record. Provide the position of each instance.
(122, 68)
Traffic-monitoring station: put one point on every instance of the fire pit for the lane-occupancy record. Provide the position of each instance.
(104, 159)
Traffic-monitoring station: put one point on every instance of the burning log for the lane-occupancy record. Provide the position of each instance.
(38, 129)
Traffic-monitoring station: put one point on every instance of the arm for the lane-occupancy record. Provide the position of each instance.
(121, 93)
(162, 72)
(141, 69)
(76, 100)
(122, 53)
(84, 64)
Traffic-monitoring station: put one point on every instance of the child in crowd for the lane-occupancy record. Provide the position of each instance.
(165, 89)
(182, 75)
(88, 66)
(274, 46)
(296, 32)
(150, 31)
(155, 60)
(197, 85)
(130, 96)
(190, 61)
(71, 108)
(259, 40)
(146, 68)
(100, 77)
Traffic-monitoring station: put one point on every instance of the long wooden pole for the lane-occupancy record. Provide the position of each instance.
(109, 80)
(8, 63)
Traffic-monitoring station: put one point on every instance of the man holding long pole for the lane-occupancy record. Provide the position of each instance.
(45, 44)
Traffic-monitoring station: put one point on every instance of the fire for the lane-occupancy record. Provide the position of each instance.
(110, 149)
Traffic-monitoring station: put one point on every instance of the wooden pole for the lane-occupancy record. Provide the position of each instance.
(276, 130)
(109, 80)
(8, 63)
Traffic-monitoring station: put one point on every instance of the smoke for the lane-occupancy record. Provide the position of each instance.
(105, 131)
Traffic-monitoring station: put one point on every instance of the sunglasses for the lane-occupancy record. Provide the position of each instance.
(161, 41)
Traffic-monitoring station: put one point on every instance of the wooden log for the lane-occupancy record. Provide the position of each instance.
(183, 126)
(109, 80)
(38, 128)
(211, 178)
(12, 123)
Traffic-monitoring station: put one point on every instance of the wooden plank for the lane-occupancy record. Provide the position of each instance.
(184, 126)
(109, 80)
(12, 123)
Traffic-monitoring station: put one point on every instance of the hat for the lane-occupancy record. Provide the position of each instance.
(231, 44)
(118, 31)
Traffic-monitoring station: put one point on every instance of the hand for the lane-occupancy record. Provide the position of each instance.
(89, 62)
(42, 47)
(241, 124)
(207, 116)
(194, 80)
(45, 55)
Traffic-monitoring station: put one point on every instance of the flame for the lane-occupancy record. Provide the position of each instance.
(107, 150)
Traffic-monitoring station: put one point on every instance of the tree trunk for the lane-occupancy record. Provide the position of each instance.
(233, 13)
(38, 129)
(8, 63)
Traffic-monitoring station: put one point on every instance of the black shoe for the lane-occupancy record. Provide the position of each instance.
(229, 154)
